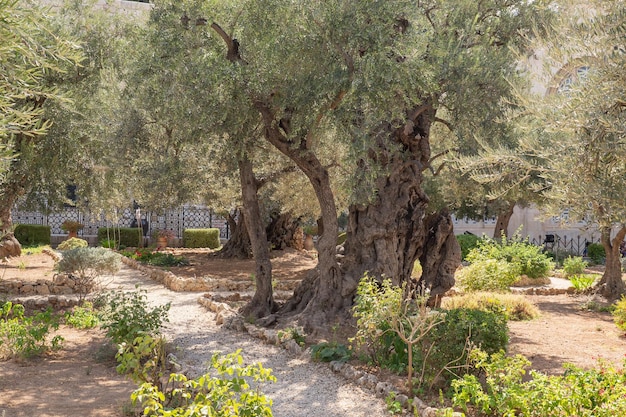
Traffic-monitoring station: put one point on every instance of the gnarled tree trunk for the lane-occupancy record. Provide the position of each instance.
(611, 285)
(282, 230)
(386, 237)
(262, 303)
(502, 221)
(9, 245)
(238, 246)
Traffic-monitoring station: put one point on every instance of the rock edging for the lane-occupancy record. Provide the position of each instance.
(228, 317)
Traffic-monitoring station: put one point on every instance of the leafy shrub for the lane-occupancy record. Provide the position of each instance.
(619, 313)
(72, 243)
(515, 307)
(574, 265)
(578, 392)
(224, 391)
(126, 316)
(582, 282)
(126, 236)
(82, 317)
(467, 243)
(527, 258)
(143, 359)
(201, 238)
(488, 275)
(596, 253)
(32, 234)
(331, 351)
(85, 265)
(379, 309)
(464, 329)
(25, 336)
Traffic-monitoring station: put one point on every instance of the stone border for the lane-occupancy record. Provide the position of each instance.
(226, 316)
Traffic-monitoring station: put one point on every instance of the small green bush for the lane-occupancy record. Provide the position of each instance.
(86, 265)
(126, 316)
(596, 253)
(201, 238)
(72, 243)
(32, 234)
(440, 347)
(488, 275)
(528, 259)
(467, 243)
(224, 391)
(619, 314)
(574, 265)
(26, 336)
(330, 351)
(124, 236)
(449, 340)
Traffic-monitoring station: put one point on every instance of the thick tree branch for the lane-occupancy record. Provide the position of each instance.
(232, 44)
(445, 122)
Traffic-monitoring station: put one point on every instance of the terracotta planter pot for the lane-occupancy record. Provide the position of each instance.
(162, 242)
(72, 233)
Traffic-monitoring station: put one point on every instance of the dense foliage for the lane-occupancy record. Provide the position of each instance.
(507, 392)
(24, 335)
(526, 258)
(439, 347)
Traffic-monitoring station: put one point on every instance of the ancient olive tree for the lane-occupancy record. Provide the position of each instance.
(374, 78)
(33, 59)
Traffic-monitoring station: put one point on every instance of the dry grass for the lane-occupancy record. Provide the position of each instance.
(514, 306)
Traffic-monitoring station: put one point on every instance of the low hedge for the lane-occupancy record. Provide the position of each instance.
(32, 234)
(124, 236)
(201, 238)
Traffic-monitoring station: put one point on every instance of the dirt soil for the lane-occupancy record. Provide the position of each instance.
(80, 379)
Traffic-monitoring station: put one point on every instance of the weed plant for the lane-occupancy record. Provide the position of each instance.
(331, 351)
(582, 282)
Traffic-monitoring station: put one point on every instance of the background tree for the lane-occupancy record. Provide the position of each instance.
(33, 60)
(585, 126)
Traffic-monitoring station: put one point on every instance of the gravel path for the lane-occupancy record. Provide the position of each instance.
(303, 388)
